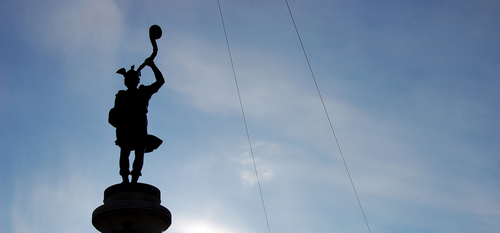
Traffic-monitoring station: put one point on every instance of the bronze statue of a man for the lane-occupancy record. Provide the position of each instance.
(129, 118)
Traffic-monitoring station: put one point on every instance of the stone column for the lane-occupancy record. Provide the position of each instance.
(131, 208)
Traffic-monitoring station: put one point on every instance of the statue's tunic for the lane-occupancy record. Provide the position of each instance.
(131, 106)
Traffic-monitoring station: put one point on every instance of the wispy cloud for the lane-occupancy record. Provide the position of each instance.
(84, 37)
(65, 205)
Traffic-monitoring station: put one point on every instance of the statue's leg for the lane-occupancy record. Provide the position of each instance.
(124, 164)
(137, 166)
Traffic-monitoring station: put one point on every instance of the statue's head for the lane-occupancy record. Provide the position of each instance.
(132, 77)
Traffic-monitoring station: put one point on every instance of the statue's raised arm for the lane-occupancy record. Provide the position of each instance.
(158, 75)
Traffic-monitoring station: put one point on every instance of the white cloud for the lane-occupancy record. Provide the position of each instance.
(265, 171)
(79, 27)
(203, 77)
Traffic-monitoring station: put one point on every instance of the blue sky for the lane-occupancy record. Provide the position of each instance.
(411, 88)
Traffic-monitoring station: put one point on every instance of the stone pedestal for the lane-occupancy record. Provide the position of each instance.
(131, 208)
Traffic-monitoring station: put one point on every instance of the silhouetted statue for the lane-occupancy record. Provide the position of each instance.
(129, 115)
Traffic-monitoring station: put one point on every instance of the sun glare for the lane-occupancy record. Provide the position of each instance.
(201, 227)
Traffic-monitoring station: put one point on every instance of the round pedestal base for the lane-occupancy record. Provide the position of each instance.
(131, 208)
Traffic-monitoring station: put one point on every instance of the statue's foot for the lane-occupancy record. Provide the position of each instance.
(135, 177)
(125, 180)
(124, 175)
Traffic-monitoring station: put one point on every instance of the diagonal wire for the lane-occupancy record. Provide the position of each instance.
(327, 116)
(244, 119)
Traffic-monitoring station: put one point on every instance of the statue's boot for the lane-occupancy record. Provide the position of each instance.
(135, 176)
(124, 175)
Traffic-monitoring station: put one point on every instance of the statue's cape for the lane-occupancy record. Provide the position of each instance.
(152, 143)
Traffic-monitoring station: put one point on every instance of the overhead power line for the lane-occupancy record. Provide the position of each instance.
(244, 118)
(327, 116)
